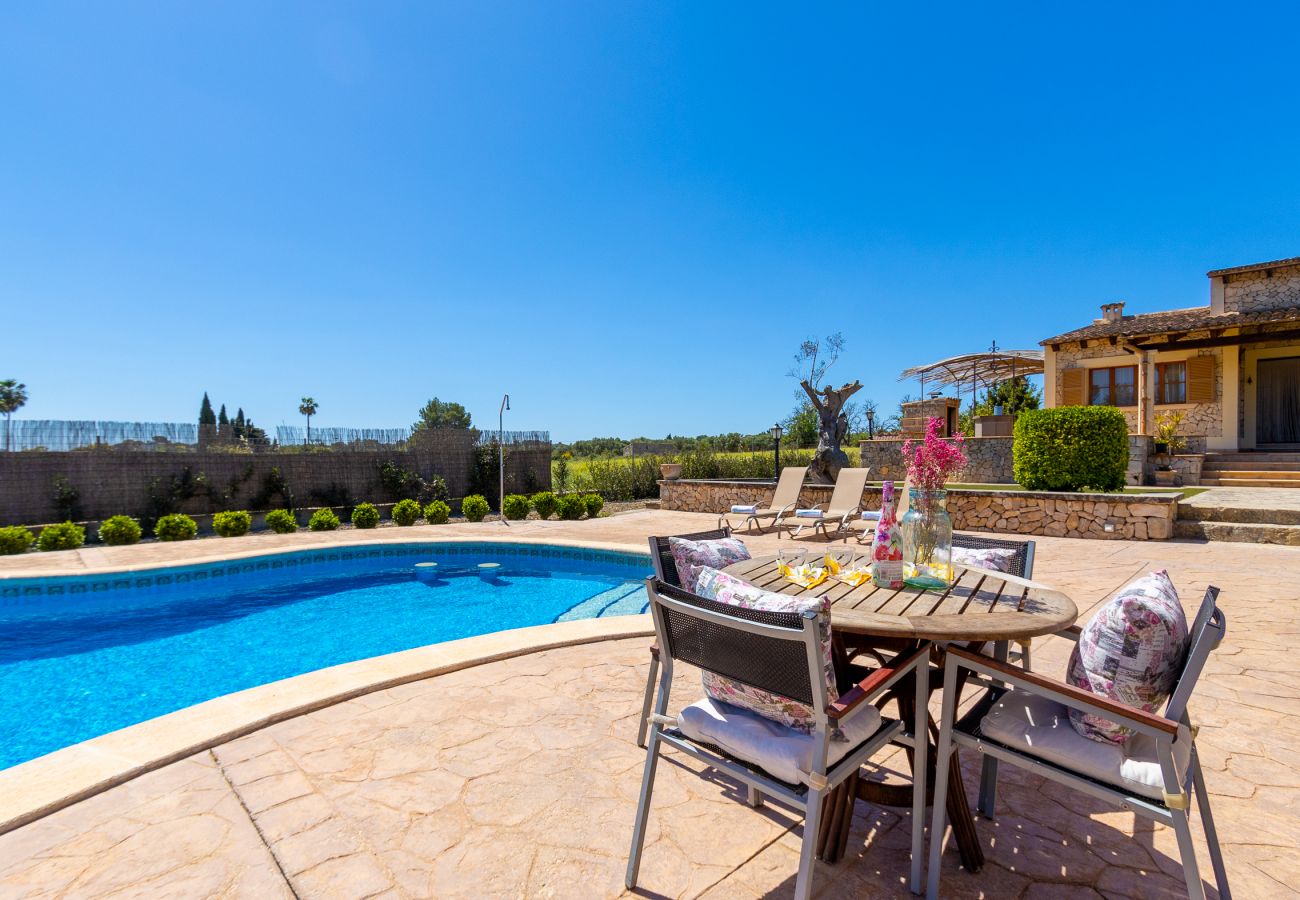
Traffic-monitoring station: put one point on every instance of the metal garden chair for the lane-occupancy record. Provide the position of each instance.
(661, 556)
(1160, 765)
(780, 653)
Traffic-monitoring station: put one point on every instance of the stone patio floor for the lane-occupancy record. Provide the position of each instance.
(519, 778)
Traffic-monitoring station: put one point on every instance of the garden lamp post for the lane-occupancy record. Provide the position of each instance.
(501, 456)
(775, 431)
(871, 424)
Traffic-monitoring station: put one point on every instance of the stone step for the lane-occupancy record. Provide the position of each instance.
(1249, 465)
(1293, 458)
(1238, 532)
(1244, 515)
(1212, 481)
(1266, 475)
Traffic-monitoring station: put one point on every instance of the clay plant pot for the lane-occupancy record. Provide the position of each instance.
(670, 471)
(1167, 478)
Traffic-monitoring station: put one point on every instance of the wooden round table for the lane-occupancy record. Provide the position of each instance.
(979, 607)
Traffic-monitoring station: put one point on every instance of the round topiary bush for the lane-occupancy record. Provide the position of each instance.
(515, 506)
(474, 507)
(1069, 448)
(118, 530)
(281, 521)
(63, 536)
(15, 539)
(176, 527)
(437, 512)
(406, 512)
(233, 523)
(323, 519)
(545, 503)
(594, 503)
(572, 506)
(364, 515)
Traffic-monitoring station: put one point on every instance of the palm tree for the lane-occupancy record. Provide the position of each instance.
(308, 408)
(12, 396)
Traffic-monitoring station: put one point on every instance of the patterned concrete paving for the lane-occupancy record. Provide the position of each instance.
(519, 778)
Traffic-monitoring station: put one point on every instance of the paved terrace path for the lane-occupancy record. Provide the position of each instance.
(519, 778)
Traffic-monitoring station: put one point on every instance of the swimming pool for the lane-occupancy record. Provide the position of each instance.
(84, 655)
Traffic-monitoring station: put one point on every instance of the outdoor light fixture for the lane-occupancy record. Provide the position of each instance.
(775, 431)
(501, 455)
(871, 424)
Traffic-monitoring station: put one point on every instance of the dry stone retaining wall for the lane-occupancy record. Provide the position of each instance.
(1142, 517)
(988, 460)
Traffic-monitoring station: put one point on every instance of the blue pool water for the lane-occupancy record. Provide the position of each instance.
(82, 656)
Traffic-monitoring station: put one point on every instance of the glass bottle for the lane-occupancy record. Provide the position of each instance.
(927, 540)
(887, 545)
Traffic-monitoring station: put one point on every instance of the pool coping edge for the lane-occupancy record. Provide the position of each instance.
(35, 789)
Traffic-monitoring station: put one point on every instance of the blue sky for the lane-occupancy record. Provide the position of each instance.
(625, 214)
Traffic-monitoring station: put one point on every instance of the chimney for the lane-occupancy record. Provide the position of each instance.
(1111, 312)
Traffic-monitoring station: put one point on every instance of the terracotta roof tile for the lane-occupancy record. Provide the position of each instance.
(1195, 319)
(1275, 264)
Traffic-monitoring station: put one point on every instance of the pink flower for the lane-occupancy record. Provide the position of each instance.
(932, 462)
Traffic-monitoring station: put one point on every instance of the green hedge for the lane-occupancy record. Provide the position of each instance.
(175, 527)
(62, 536)
(406, 512)
(545, 503)
(474, 507)
(232, 523)
(515, 506)
(117, 531)
(15, 539)
(281, 521)
(1071, 448)
(365, 515)
(323, 519)
(437, 512)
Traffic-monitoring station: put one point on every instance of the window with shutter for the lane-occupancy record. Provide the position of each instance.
(1200, 379)
(1072, 387)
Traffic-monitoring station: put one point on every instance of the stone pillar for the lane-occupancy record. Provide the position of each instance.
(1146, 389)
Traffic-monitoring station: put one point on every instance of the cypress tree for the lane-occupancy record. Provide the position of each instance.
(206, 416)
(222, 418)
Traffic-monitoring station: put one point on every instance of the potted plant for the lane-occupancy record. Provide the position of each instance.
(1168, 442)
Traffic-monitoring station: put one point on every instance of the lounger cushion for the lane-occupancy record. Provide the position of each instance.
(995, 559)
(1131, 651)
(784, 753)
(1041, 727)
(724, 588)
(691, 555)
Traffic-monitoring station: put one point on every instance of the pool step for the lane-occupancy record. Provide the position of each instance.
(623, 600)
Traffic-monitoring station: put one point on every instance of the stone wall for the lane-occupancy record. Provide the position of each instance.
(110, 482)
(988, 460)
(1262, 290)
(1141, 517)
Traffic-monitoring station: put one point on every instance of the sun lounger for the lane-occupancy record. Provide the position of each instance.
(783, 502)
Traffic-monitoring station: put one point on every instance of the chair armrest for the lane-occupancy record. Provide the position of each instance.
(1068, 694)
(1072, 633)
(873, 684)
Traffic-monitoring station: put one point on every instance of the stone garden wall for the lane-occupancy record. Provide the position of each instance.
(1142, 517)
(989, 460)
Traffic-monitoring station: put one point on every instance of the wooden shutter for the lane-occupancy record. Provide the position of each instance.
(1072, 387)
(1200, 379)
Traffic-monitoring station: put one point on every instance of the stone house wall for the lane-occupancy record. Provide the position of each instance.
(988, 460)
(1142, 517)
(1255, 291)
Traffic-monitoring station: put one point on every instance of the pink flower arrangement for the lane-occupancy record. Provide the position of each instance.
(930, 463)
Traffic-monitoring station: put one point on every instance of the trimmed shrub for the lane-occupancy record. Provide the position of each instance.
(15, 539)
(323, 519)
(515, 506)
(474, 507)
(572, 506)
(118, 530)
(281, 521)
(594, 503)
(364, 515)
(175, 527)
(404, 513)
(437, 512)
(63, 536)
(545, 503)
(233, 523)
(1070, 448)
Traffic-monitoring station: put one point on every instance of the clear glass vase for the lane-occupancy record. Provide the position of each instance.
(927, 540)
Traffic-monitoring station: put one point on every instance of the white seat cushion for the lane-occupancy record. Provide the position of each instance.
(782, 752)
(1041, 727)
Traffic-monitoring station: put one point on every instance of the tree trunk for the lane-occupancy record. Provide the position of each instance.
(832, 429)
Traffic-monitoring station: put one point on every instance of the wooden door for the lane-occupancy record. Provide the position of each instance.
(1277, 411)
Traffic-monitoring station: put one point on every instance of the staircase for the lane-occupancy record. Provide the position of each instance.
(1244, 469)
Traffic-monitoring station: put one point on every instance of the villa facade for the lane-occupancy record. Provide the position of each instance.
(1232, 367)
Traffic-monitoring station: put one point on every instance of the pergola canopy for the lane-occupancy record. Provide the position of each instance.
(985, 368)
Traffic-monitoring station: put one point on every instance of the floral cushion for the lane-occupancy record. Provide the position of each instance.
(691, 555)
(714, 585)
(1131, 651)
(995, 559)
